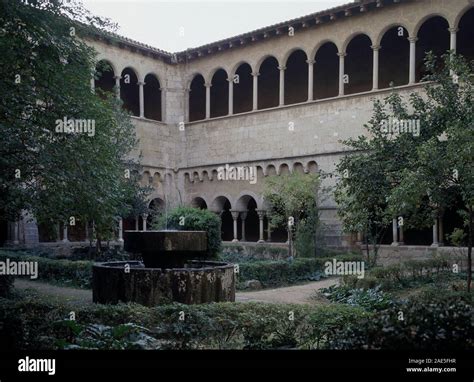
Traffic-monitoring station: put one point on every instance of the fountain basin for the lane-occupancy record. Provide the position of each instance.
(131, 281)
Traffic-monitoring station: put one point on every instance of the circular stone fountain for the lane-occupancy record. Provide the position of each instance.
(174, 268)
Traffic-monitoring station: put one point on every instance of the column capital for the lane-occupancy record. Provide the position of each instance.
(310, 62)
(207, 84)
(235, 214)
(375, 47)
(255, 74)
(117, 77)
(141, 83)
(453, 30)
(261, 213)
(281, 68)
(342, 54)
(413, 39)
(144, 216)
(243, 214)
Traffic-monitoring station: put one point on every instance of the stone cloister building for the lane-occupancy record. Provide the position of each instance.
(278, 99)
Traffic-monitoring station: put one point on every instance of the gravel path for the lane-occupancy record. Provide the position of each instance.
(298, 294)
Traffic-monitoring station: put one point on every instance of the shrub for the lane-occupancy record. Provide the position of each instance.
(430, 323)
(194, 219)
(6, 284)
(369, 299)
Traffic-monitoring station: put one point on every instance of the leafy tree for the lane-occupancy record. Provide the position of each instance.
(292, 201)
(45, 74)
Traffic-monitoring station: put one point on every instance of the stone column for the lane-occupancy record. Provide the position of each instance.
(255, 90)
(120, 230)
(235, 216)
(187, 94)
(164, 94)
(141, 84)
(341, 72)
(269, 230)
(452, 40)
(394, 232)
(435, 233)
(282, 85)
(310, 79)
(144, 217)
(117, 86)
(136, 222)
(231, 95)
(412, 76)
(261, 215)
(243, 216)
(93, 84)
(375, 69)
(441, 231)
(65, 238)
(208, 100)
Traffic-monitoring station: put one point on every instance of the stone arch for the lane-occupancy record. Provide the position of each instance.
(312, 167)
(199, 202)
(156, 207)
(351, 37)
(326, 71)
(104, 77)
(244, 197)
(271, 170)
(465, 34)
(386, 28)
(284, 169)
(433, 35)
(268, 83)
(249, 230)
(197, 98)
(424, 19)
(129, 91)
(394, 57)
(146, 178)
(219, 93)
(358, 64)
(242, 82)
(222, 206)
(296, 77)
(298, 168)
(152, 97)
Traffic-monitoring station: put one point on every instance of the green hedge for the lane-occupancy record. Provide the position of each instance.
(66, 272)
(283, 272)
(31, 323)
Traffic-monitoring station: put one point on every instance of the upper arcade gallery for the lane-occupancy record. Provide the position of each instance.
(307, 59)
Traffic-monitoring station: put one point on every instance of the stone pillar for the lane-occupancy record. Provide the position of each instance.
(441, 231)
(375, 69)
(120, 230)
(164, 94)
(144, 217)
(452, 40)
(208, 100)
(93, 84)
(136, 222)
(117, 86)
(412, 76)
(282, 85)
(186, 104)
(269, 230)
(261, 215)
(435, 233)
(235, 216)
(141, 84)
(341, 72)
(255, 90)
(310, 79)
(231, 95)
(394, 232)
(243, 216)
(65, 238)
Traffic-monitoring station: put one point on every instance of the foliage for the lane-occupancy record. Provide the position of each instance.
(436, 324)
(292, 201)
(6, 284)
(45, 76)
(369, 299)
(194, 219)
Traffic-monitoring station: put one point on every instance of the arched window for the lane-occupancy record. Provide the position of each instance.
(219, 94)
(394, 58)
(268, 84)
(104, 77)
(465, 35)
(129, 91)
(152, 98)
(296, 78)
(197, 99)
(326, 72)
(243, 89)
(358, 65)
